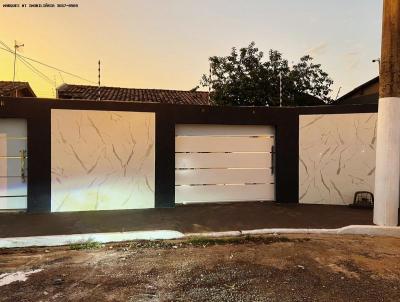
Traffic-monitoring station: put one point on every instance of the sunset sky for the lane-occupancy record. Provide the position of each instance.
(166, 43)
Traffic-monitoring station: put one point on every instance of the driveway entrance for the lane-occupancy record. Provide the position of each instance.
(224, 163)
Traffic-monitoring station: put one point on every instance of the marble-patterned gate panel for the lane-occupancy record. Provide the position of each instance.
(337, 157)
(102, 160)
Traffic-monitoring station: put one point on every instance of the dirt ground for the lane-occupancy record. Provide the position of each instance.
(272, 268)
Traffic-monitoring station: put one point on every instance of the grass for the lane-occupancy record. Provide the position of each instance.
(88, 245)
(207, 241)
(204, 241)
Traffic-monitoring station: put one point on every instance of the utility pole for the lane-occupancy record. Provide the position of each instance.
(387, 174)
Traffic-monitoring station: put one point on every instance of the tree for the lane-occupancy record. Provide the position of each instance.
(244, 78)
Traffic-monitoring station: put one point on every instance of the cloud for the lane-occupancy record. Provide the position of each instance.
(354, 64)
(352, 58)
(320, 49)
(352, 54)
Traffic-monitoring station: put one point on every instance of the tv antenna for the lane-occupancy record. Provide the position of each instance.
(337, 95)
(99, 75)
(16, 47)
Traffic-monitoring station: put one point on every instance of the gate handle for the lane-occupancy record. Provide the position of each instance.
(272, 160)
(23, 157)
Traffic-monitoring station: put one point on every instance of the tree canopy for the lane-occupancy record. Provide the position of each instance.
(247, 78)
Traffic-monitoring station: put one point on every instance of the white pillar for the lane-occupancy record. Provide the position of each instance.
(387, 174)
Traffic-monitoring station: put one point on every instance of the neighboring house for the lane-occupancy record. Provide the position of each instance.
(16, 89)
(308, 100)
(367, 93)
(82, 92)
(192, 97)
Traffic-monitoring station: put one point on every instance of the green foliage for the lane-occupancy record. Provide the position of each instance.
(88, 245)
(244, 78)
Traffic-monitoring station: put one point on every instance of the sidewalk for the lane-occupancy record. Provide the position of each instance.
(185, 219)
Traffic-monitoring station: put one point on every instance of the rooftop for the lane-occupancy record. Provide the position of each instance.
(356, 90)
(8, 88)
(83, 92)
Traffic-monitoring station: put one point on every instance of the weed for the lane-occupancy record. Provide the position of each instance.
(88, 245)
(204, 241)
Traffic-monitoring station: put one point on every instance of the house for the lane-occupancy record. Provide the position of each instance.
(192, 97)
(304, 99)
(74, 156)
(83, 92)
(367, 93)
(16, 89)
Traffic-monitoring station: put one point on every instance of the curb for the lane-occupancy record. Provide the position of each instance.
(59, 240)
(367, 230)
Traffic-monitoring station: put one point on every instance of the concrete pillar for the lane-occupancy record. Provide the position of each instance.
(387, 175)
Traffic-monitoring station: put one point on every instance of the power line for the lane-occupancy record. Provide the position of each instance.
(61, 77)
(49, 66)
(36, 71)
(31, 67)
(8, 48)
(44, 64)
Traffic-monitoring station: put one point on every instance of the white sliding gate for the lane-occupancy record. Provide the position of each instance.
(224, 163)
(13, 164)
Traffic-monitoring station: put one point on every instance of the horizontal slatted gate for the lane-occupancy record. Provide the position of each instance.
(224, 163)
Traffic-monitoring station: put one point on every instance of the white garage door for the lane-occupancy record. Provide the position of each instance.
(224, 163)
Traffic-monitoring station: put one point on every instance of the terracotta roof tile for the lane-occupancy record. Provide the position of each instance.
(8, 87)
(82, 92)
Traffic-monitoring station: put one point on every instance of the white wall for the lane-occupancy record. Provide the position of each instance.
(337, 157)
(102, 160)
